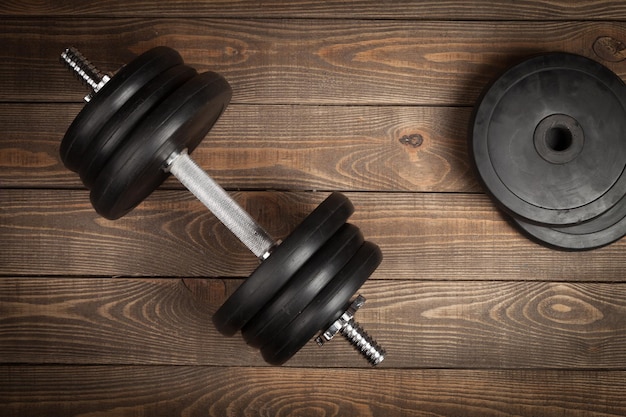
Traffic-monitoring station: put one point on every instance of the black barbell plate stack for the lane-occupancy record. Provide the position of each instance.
(113, 95)
(327, 306)
(303, 287)
(284, 262)
(122, 123)
(180, 122)
(544, 179)
(598, 232)
(548, 141)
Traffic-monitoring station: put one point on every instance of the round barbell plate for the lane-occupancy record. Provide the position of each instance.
(286, 259)
(597, 232)
(302, 288)
(180, 122)
(113, 95)
(549, 139)
(327, 306)
(120, 125)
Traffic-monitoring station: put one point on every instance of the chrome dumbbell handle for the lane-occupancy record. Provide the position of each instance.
(220, 203)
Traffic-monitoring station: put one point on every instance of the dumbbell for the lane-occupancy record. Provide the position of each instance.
(139, 126)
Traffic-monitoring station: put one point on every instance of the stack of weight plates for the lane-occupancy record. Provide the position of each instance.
(548, 140)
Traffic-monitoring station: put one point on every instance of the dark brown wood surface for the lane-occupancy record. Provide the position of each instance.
(225, 391)
(370, 98)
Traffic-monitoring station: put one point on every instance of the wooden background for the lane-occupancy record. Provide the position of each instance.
(370, 98)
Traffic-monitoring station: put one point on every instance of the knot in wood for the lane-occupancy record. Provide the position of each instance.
(415, 140)
(609, 49)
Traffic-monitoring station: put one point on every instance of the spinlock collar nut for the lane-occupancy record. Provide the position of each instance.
(341, 322)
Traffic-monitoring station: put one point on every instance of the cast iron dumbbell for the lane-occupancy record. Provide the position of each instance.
(139, 126)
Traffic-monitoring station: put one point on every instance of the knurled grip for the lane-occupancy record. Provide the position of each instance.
(221, 204)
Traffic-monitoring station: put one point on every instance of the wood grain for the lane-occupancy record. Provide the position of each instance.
(276, 147)
(370, 9)
(330, 62)
(423, 236)
(202, 391)
(459, 324)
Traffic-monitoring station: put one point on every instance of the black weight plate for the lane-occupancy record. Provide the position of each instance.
(327, 307)
(597, 232)
(302, 288)
(119, 126)
(549, 139)
(106, 102)
(180, 122)
(270, 276)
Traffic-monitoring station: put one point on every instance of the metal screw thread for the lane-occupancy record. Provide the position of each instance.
(84, 70)
(363, 342)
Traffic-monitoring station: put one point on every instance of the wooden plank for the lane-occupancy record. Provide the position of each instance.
(29, 149)
(194, 391)
(369, 9)
(422, 236)
(460, 324)
(276, 147)
(299, 61)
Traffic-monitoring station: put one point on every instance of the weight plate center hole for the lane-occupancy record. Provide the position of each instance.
(559, 138)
